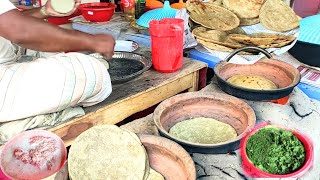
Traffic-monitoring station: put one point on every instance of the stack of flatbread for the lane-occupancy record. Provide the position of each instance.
(108, 152)
(221, 21)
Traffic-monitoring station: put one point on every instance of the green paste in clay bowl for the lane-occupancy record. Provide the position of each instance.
(203, 131)
(275, 151)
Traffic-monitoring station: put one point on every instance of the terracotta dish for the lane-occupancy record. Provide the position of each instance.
(282, 74)
(168, 158)
(224, 108)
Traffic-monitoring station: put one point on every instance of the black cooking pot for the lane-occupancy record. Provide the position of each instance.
(284, 75)
(306, 53)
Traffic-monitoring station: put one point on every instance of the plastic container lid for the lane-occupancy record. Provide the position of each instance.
(63, 6)
(157, 14)
(309, 30)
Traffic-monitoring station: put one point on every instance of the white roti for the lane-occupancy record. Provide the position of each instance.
(62, 6)
(107, 152)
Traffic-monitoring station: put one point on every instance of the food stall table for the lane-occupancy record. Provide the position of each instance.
(228, 166)
(134, 96)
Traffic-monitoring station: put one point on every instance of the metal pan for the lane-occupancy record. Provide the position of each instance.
(125, 66)
(282, 74)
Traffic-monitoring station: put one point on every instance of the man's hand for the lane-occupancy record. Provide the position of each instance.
(104, 44)
(51, 12)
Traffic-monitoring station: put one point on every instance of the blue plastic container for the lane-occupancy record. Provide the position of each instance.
(157, 14)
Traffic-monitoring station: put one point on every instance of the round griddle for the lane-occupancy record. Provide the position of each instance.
(125, 66)
(282, 74)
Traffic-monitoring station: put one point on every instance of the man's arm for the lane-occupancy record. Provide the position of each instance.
(35, 12)
(38, 35)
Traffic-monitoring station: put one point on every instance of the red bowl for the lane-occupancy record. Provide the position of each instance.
(97, 12)
(254, 172)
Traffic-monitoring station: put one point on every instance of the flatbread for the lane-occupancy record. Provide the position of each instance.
(261, 38)
(236, 30)
(154, 175)
(203, 131)
(63, 6)
(218, 47)
(249, 21)
(275, 45)
(275, 15)
(215, 36)
(213, 16)
(252, 82)
(107, 152)
(214, 46)
(244, 8)
(148, 169)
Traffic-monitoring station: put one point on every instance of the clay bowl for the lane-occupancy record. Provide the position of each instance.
(284, 75)
(168, 158)
(219, 106)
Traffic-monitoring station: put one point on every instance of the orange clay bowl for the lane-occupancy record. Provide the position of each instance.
(221, 107)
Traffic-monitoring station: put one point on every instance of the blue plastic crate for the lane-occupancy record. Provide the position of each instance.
(310, 91)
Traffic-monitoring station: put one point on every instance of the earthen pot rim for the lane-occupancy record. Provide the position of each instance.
(174, 148)
(270, 62)
(212, 95)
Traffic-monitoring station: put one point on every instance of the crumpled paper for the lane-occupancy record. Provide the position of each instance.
(250, 59)
(189, 40)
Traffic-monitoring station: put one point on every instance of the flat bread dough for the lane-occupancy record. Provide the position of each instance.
(203, 131)
(252, 82)
(107, 152)
(63, 6)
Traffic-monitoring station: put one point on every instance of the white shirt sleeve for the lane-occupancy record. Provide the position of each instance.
(5, 6)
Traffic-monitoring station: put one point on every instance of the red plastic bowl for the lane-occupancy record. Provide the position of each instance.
(254, 172)
(97, 12)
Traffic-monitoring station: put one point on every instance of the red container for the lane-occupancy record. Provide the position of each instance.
(167, 44)
(97, 12)
(254, 172)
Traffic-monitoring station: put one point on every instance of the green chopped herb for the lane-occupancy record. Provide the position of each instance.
(275, 151)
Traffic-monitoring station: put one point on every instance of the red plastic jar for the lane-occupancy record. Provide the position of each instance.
(252, 171)
(97, 12)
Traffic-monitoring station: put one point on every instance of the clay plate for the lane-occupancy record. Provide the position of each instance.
(219, 106)
(168, 158)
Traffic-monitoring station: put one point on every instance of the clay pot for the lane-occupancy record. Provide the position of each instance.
(168, 158)
(284, 75)
(218, 106)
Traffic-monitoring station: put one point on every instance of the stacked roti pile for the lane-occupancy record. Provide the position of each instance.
(221, 21)
(108, 152)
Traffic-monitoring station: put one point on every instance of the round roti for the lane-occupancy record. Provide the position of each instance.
(258, 39)
(218, 47)
(107, 152)
(249, 21)
(275, 15)
(213, 17)
(252, 82)
(63, 6)
(203, 131)
(244, 8)
(215, 36)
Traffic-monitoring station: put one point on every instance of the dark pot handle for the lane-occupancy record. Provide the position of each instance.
(246, 48)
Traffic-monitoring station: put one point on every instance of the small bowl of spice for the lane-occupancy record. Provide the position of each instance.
(271, 151)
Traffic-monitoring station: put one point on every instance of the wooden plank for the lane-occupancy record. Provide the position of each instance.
(195, 82)
(131, 97)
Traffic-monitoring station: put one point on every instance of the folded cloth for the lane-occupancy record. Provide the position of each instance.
(12, 128)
